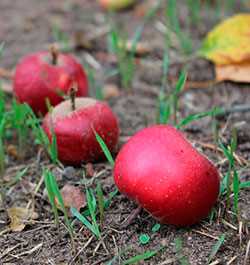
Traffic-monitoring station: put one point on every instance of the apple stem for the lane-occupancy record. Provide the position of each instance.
(54, 54)
(72, 95)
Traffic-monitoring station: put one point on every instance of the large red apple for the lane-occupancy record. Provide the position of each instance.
(47, 75)
(167, 176)
(75, 129)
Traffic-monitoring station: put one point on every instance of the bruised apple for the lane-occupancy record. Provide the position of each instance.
(167, 176)
(47, 76)
(75, 125)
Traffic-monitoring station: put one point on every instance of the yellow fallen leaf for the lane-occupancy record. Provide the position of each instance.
(228, 42)
(234, 72)
(20, 217)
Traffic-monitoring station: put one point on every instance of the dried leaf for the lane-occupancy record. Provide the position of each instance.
(229, 42)
(110, 91)
(6, 87)
(234, 72)
(20, 217)
(80, 40)
(12, 151)
(5, 73)
(89, 170)
(141, 48)
(72, 197)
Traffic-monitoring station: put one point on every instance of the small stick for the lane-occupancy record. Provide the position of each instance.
(72, 95)
(131, 217)
(234, 109)
(54, 54)
(246, 259)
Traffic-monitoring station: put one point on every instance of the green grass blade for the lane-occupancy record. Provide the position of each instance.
(91, 204)
(58, 195)
(245, 184)
(227, 153)
(100, 200)
(138, 32)
(105, 149)
(165, 66)
(85, 221)
(51, 195)
(164, 110)
(216, 247)
(178, 247)
(17, 177)
(223, 185)
(53, 148)
(194, 9)
(233, 144)
(181, 82)
(91, 201)
(236, 190)
(175, 95)
(198, 116)
(60, 37)
(112, 194)
(1, 48)
(122, 252)
(144, 256)
(41, 137)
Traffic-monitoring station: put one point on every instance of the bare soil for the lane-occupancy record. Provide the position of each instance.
(26, 26)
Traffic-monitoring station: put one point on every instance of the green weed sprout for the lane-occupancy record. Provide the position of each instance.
(19, 122)
(60, 37)
(173, 23)
(42, 138)
(231, 177)
(92, 225)
(53, 194)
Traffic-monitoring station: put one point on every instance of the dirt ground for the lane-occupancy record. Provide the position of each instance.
(26, 26)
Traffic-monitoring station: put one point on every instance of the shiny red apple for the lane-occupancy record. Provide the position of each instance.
(159, 169)
(75, 127)
(48, 76)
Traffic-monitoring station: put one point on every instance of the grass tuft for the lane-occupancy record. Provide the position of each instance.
(55, 194)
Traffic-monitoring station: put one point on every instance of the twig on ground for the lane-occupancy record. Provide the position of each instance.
(246, 259)
(131, 217)
(81, 250)
(205, 234)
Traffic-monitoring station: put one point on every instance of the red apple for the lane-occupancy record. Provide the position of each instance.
(75, 129)
(47, 75)
(167, 176)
